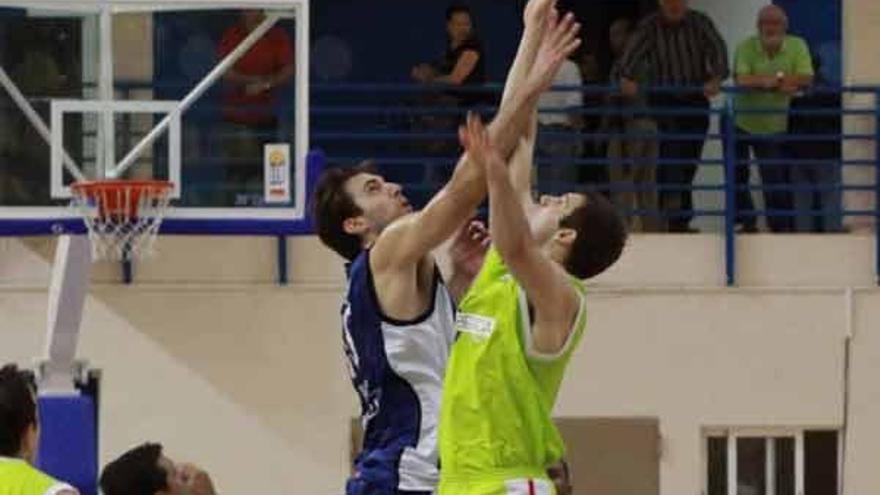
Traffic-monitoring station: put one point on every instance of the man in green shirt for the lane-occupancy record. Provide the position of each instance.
(772, 66)
(19, 437)
(518, 326)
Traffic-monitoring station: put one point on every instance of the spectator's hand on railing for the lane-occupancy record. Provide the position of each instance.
(423, 73)
(791, 85)
(560, 40)
(790, 89)
(712, 88)
(258, 87)
(629, 88)
(758, 81)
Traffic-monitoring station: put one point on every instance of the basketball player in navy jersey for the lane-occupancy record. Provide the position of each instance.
(398, 315)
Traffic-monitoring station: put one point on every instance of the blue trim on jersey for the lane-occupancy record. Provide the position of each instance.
(390, 408)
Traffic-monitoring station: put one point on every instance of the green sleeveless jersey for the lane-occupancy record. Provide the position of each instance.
(17, 477)
(498, 394)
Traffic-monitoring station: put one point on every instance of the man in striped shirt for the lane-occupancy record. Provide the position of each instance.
(681, 47)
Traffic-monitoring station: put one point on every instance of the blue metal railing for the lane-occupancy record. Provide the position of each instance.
(400, 148)
(409, 131)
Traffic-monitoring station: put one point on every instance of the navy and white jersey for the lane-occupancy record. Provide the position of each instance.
(397, 369)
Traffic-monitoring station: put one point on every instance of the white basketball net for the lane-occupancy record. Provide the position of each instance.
(124, 220)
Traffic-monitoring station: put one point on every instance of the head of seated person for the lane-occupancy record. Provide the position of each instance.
(19, 425)
(145, 470)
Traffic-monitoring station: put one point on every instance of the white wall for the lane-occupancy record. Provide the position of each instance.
(701, 359)
(244, 378)
(735, 20)
(863, 439)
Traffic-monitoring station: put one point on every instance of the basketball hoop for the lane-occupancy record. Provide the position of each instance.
(123, 216)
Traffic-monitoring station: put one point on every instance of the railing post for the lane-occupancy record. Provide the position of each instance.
(127, 271)
(877, 185)
(281, 262)
(728, 130)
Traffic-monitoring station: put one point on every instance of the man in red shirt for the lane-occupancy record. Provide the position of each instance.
(250, 96)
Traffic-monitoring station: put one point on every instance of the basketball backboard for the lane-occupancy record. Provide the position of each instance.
(209, 95)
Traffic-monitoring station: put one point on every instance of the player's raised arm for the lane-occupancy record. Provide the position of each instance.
(535, 17)
(409, 239)
(555, 47)
(546, 284)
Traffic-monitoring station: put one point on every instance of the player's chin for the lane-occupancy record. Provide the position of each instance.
(399, 213)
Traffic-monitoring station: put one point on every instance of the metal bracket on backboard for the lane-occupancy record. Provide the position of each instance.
(101, 107)
(60, 378)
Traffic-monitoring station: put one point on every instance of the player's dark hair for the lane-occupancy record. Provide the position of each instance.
(332, 206)
(136, 472)
(18, 408)
(601, 236)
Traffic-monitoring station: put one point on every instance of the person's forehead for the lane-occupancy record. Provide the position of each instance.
(578, 199)
(357, 183)
(772, 16)
(364, 177)
(166, 463)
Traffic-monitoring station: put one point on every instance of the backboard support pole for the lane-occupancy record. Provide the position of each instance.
(107, 127)
(59, 370)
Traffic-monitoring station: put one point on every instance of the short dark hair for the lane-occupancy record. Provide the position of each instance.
(18, 408)
(601, 236)
(332, 206)
(136, 472)
(457, 8)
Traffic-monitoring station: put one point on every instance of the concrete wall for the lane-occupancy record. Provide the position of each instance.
(207, 356)
(246, 379)
(863, 440)
(698, 359)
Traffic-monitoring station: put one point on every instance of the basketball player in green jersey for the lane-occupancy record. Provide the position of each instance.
(518, 325)
(19, 437)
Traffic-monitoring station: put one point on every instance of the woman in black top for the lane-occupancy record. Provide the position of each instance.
(463, 64)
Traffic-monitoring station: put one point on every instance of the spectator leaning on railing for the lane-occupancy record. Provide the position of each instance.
(682, 47)
(820, 174)
(773, 66)
(633, 161)
(463, 64)
(593, 173)
(559, 123)
(251, 93)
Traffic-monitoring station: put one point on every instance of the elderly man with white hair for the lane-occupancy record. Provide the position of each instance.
(773, 66)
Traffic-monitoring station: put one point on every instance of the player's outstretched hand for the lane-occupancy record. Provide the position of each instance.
(561, 39)
(474, 137)
(469, 248)
(536, 12)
